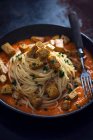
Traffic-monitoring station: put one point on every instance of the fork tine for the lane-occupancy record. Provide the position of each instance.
(90, 85)
(88, 82)
(84, 86)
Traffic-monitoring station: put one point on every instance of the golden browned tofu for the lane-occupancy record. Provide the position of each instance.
(8, 49)
(42, 53)
(50, 46)
(39, 44)
(66, 40)
(59, 45)
(36, 102)
(37, 63)
(73, 95)
(52, 42)
(6, 89)
(52, 90)
(23, 47)
(53, 62)
(66, 105)
(32, 51)
(37, 38)
(3, 68)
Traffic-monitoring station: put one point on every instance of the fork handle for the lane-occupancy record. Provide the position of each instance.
(75, 27)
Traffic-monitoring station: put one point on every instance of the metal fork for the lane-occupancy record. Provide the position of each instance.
(85, 76)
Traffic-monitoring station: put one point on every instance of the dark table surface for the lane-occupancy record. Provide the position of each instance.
(18, 13)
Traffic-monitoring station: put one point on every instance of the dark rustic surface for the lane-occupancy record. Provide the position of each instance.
(18, 13)
(14, 14)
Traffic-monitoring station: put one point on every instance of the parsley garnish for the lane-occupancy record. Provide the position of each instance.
(61, 73)
(60, 54)
(19, 56)
(39, 85)
(33, 76)
(52, 61)
(69, 89)
(45, 68)
(14, 82)
(33, 64)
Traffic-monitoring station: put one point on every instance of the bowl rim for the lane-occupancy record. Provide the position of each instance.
(45, 116)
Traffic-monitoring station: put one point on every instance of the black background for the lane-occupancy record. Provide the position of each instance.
(18, 13)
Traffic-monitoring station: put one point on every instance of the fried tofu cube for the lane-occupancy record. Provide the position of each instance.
(23, 47)
(73, 95)
(42, 53)
(50, 47)
(52, 90)
(8, 49)
(39, 44)
(66, 40)
(37, 38)
(53, 62)
(36, 101)
(6, 89)
(59, 46)
(52, 42)
(32, 51)
(66, 105)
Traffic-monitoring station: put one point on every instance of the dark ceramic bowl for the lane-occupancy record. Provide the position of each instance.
(43, 30)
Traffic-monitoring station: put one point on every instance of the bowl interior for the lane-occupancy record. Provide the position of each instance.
(43, 30)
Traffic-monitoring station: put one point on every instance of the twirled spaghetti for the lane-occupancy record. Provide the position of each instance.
(28, 80)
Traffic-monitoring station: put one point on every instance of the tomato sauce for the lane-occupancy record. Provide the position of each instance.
(53, 109)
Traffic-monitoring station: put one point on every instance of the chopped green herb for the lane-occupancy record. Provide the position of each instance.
(61, 73)
(39, 85)
(78, 106)
(53, 61)
(19, 56)
(45, 68)
(69, 89)
(66, 98)
(14, 82)
(75, 84)
(66, 61)
(33, 64)
(60, 54)
(33, 77)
